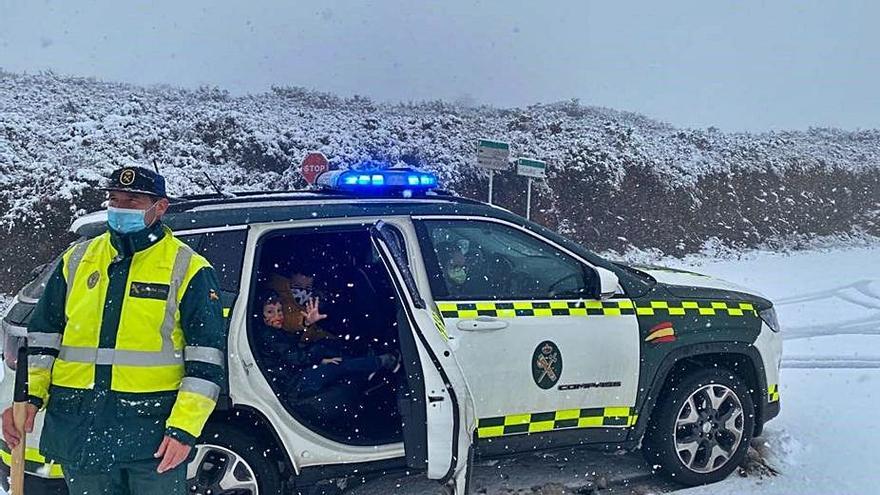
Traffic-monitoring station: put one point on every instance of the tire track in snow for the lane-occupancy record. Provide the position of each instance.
(864, 294)
(831, 362)
(864, 287)
(869, 325)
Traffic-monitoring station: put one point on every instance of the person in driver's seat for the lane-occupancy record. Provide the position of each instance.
(305, 369)
(455, 269)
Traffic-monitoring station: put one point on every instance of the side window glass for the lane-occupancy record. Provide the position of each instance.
(225, 251)
(474, 260)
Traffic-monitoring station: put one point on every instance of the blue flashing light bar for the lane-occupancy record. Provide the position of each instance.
(386, 181)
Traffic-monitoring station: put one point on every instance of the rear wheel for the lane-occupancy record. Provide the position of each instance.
(229, 462)
(700, 431)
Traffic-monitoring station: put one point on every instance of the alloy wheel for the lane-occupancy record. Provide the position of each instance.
(217, 470)
(709, 428)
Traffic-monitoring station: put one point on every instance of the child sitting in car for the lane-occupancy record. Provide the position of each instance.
(294, 292)
(306, 369)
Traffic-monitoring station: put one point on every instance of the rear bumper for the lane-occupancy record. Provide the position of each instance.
(34, 485)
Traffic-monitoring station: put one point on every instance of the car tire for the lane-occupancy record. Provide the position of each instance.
(701, 428)
(229, 461)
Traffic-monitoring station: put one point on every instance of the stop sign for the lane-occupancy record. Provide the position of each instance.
(313, 165)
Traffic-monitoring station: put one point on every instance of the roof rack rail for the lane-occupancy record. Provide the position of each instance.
(243, 197)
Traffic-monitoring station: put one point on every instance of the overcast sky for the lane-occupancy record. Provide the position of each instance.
(737, 65)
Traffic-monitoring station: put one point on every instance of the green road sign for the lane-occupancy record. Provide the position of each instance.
(492, 154)
(531, 168)
(485, 143)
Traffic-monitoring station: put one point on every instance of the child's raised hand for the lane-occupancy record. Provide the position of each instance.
(312, 314)
(334, 360)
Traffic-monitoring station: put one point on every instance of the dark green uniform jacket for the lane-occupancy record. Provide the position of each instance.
(92, 429)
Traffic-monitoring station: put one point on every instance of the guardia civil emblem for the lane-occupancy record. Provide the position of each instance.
(546, 365)
(93, 279)
(126, 177)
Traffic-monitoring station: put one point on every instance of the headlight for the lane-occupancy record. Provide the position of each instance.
(769, 317)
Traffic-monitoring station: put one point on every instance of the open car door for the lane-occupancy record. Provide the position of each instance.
(434, 402)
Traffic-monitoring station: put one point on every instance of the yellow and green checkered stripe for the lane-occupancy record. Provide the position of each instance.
(704, 308)
(618, 307)
(773, 393)
(515, 424)
(513, 309)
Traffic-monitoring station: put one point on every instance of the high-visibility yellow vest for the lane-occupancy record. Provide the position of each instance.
(148, 355)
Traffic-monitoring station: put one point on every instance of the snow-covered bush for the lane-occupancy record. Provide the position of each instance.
(616, 180)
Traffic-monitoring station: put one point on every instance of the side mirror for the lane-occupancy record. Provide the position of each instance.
(608, 283)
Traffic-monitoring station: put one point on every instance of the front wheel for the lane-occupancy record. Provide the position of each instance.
(700, 431)
(228, 461)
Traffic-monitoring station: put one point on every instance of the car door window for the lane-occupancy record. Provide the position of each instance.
(480, 260)
(225, 251)
(191, 240)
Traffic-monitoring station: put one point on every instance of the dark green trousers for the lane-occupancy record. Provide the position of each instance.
(128, 478)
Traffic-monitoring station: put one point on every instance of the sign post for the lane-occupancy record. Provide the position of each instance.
(313, 165)
(532, 169)
(492, 155)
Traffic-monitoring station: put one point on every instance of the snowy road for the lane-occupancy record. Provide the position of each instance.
(828, 303)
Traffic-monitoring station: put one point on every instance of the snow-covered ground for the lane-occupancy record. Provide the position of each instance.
(823, 441)
(829, 305)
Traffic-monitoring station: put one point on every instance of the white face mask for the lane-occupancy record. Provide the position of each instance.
(457, 274)
(301, 296)
(126, 220)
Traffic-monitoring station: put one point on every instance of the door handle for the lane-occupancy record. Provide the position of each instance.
(481, 323)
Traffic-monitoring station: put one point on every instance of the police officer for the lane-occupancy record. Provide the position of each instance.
(126, 350)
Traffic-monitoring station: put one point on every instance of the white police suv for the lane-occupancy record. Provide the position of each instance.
(511, 338)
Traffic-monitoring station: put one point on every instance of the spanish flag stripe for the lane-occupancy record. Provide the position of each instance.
(665, 324)
(663, 332)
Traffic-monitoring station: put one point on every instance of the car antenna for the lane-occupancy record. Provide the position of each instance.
(221, 192)
(156, 167)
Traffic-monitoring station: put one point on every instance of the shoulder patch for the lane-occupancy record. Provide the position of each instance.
(93, 279)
